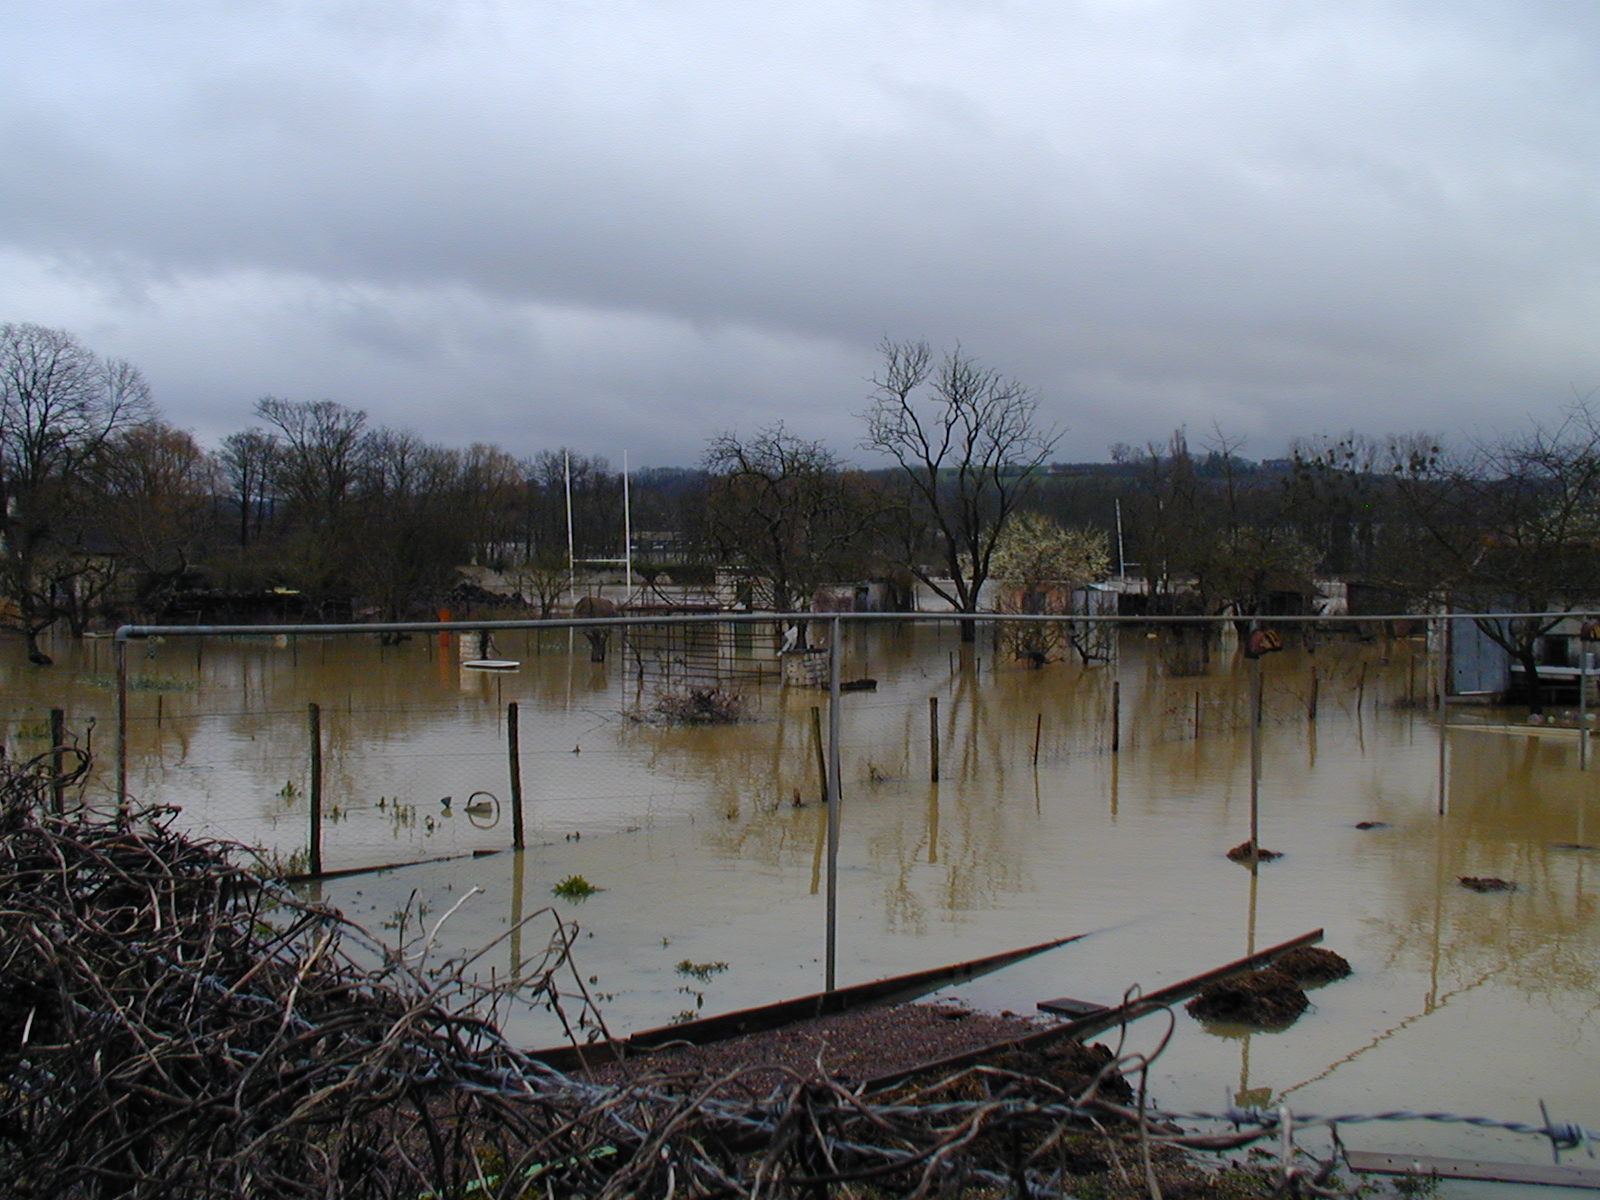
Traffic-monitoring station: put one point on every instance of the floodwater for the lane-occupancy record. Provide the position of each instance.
(708, 843)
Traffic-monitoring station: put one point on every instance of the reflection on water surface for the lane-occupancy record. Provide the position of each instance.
(708, 841)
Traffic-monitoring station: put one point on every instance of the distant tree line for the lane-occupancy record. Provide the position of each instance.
(108, 512)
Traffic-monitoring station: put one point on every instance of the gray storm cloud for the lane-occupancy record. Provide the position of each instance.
(629, 226)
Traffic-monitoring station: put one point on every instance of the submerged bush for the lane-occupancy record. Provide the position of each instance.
(699, 706)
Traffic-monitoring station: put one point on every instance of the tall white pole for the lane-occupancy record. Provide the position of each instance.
(572, 565)
(627, 525)
(1122, 562)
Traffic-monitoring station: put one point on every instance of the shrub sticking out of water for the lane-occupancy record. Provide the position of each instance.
(699, 706)
(574, 887)
(701, 971)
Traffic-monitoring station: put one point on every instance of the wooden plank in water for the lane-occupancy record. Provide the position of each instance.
(1162, 997)
(786, 1012)
(1066, 1006)
(1471, 1168)
(1096, 1021)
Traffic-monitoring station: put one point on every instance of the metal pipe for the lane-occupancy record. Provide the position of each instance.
(128, 632)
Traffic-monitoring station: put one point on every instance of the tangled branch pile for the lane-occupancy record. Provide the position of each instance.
(172, 1025)
(698, 706)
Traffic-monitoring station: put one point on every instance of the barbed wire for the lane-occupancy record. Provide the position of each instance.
(1561, 1135)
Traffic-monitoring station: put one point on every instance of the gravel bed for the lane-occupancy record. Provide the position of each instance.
(847, 1047)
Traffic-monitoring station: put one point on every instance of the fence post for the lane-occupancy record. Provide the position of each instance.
(1255, 760)
(1583, 698)
(1441, 686)
(1038, 730)
(314, 714)
(1311, 705)
(821, 752)
(833, 800)
(1116, 716)
(514, 749)
(58, 734)
(122, 731)
(933, 739)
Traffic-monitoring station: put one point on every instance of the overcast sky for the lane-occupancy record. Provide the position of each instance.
(625, 226)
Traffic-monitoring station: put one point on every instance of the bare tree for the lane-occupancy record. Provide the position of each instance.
(1165, 511)
(1511, 526)
(322, 450)
(59, 404)
(155, 488)
(248, 461)
(406, 528)
(540, 580)
(595, 514)
(969, 443)
(788, 510)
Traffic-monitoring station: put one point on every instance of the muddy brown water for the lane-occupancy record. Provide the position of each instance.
(708, 843)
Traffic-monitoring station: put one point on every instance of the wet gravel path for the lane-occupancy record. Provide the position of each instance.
(847, 1047)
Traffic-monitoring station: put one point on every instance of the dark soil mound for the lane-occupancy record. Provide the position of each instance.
(1071, 1067)
(1268, 998)
(1312, 964)
(1486, 883)
(1241, 853)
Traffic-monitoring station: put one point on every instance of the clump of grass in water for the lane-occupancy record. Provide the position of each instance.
(701, 971)
(574, 887)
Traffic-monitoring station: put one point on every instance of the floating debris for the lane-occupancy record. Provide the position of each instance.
(1372, 824)
(1486, 883)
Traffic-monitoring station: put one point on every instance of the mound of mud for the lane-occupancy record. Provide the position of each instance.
(1486, 883)
(1268, 998)
(1312, 964)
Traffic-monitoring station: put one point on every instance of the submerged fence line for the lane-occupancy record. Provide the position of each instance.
(1104, 722)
